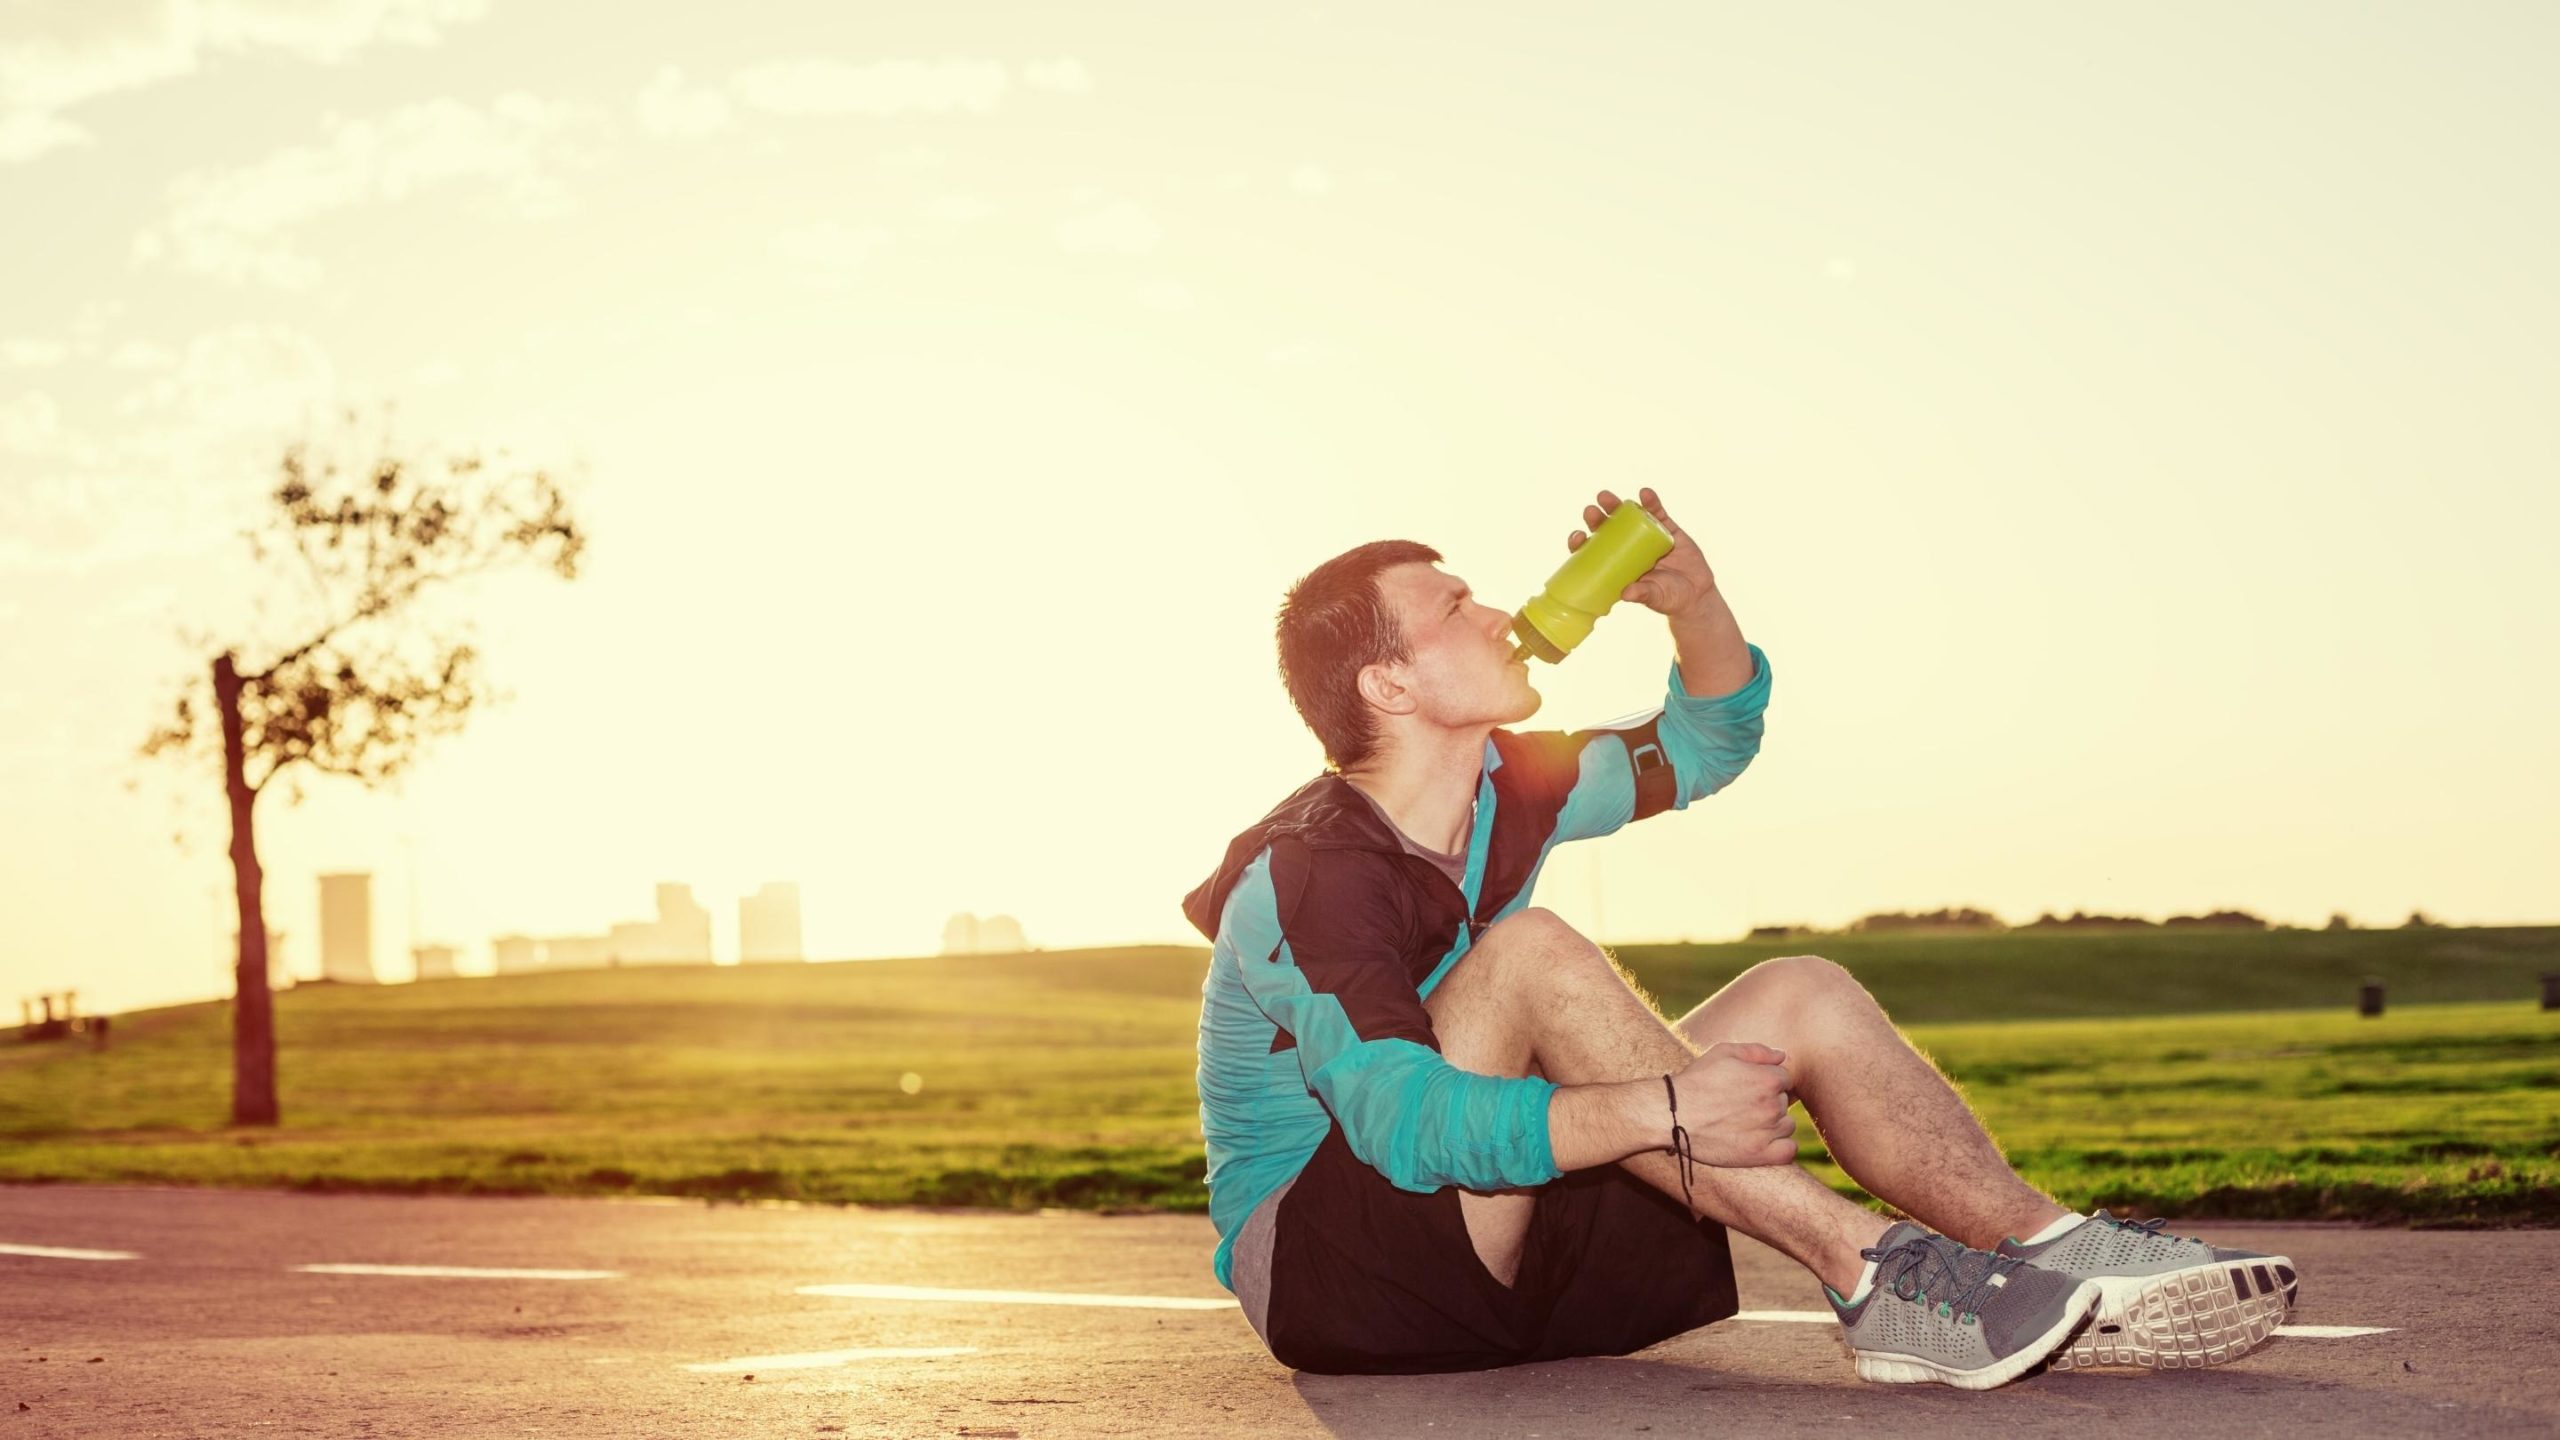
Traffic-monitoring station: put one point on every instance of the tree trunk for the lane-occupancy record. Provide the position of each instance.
(253, 1030)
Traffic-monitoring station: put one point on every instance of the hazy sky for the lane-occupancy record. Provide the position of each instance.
(2129, 430)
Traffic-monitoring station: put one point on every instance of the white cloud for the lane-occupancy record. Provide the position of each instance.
(245, 377)
(141, 355)
(66, 523)
(958, 208)
(187, 455)
(57, 54)
(92, 319)
(1066, 76)
(909, 159)
(237, 224)
(669, 107)
(1170, 295)
(1118, 228)
(882, 87)
(26, 134)
(33, 354)
(30, 424)
(829, 252)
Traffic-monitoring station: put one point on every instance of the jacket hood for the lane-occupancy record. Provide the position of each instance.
(1326, 813)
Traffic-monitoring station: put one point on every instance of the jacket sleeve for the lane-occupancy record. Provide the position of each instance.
(1320, 942)
(1687, 748)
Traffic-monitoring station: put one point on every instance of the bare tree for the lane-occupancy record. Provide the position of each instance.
(367, 683)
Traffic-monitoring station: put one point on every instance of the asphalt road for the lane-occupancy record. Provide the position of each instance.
(679, 1319)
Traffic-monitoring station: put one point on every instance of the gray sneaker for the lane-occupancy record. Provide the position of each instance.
(1941, 1312)
(2171, 1302)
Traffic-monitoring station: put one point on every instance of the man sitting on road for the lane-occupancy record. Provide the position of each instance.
(1445, 1132)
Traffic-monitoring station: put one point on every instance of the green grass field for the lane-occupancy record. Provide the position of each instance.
(2056, 975)
(1065, 1078)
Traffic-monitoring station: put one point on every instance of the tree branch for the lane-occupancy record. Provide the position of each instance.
(365, 712)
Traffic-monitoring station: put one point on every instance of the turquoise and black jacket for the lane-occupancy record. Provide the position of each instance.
(1327, 935)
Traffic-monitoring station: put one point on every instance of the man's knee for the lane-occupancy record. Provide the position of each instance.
(1807, 981)
(1517, 958)
(1795, 1002)
(1534, 925)
(1535, 946)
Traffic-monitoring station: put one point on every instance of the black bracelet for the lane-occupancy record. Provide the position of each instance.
(1680, 1145)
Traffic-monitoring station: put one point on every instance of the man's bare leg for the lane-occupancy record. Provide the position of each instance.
(1534, 994)
(1521, 998)
(1888, 1117)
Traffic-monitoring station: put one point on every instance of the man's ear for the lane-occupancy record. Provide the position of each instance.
(1380, 686)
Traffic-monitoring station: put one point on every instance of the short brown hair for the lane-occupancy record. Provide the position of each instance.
(1333, 622)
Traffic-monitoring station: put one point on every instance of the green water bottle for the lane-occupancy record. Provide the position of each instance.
(1612, 558)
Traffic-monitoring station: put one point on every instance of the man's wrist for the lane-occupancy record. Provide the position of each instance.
(1705, 603)
(1713, 657)
(1602, 1123)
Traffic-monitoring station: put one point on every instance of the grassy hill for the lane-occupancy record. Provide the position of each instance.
(1065, 1078)
(2054, 974)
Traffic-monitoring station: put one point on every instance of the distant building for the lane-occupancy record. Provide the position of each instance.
(769, 923)
(683, 932)
(576, 952)
(681, 935)
(346, 928)
(516, 954)
(632, 942)
(992, 935)
(435, 962)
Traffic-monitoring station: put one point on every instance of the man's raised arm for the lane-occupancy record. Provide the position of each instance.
(1714, 658)
(1685, 749)
(1699, 739)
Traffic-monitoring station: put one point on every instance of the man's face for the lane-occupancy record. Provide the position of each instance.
(1462, 672)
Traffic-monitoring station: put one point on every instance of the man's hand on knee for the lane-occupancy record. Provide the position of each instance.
(1733, 1104)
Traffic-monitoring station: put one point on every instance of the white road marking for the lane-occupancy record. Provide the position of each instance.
(55, 1252)
(1015, 1297)
(1167, 1302)
(2298, 1332)
(467, 1272)
(822, 1359)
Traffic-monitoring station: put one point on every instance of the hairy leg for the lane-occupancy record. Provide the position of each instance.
(1531, 993)
(1889, 1119)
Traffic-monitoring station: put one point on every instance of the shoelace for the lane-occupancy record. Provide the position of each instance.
(1949, 1257)
(2146, 1229)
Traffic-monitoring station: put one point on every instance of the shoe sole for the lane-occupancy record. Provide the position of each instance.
(2185, 1319)
(1893, 1369)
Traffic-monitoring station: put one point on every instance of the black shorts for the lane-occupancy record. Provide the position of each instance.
(1370, 1279)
